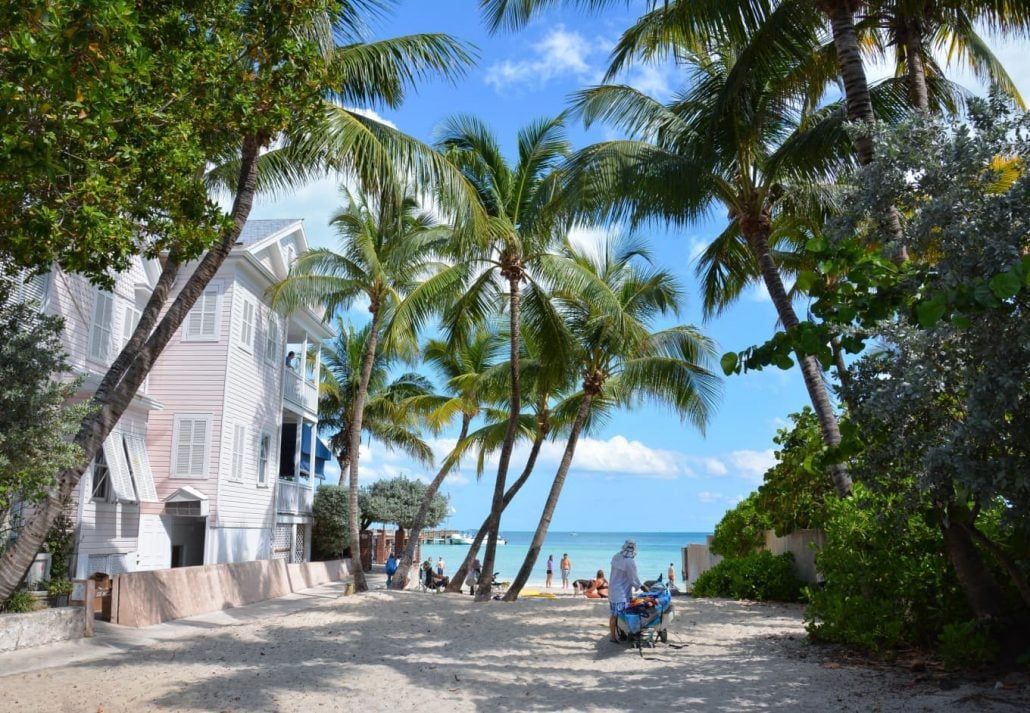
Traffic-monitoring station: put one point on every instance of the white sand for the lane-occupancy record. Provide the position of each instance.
(409, 651)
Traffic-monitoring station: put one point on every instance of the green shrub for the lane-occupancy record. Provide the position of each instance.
(329, 535)
(20, 602)
(741, 530)
(886, 581)
(967, 644)
(60, 543)
(59, 587)
(758, 576)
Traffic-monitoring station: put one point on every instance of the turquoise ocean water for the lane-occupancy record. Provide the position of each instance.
(589, 552)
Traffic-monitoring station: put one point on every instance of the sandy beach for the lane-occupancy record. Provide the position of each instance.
(412, 651)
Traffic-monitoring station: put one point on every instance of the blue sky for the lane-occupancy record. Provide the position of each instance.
(645, 471)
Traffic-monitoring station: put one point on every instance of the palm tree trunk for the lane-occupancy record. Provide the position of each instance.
(400, 578)
(497, 502)
(96, 427)
(552, 498)
(463, 570)
(758, 237)
(368, 360)
(852, 72)
(918, 93)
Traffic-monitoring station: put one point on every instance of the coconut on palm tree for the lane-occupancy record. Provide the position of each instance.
(387, 247)
(621, 361)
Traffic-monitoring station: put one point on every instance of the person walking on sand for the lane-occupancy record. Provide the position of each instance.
(440, 566)
(391, 569)
(672, 575)
(622, 580)
(550, 571)
(566, 569)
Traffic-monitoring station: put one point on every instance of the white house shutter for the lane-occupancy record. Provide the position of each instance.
(247, 327)
(30, 288)
(100, 331)
(190, 445)
(272, 339)
(118, 466)
(201, 323)
(136, 448)
(238, 446)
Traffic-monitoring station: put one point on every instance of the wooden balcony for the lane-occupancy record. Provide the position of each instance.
(294, 498)
(300, 393)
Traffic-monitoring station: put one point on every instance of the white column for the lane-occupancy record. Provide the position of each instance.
(297, 455)
(311, 455)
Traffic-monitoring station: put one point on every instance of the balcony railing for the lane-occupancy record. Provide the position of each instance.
(300, 392)
(294, 498)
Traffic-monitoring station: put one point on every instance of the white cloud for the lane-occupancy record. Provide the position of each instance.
(714, 466)
(560, 53)
(751, 465)
(706, 496)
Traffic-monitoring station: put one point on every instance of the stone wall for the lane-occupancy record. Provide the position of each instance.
(20, 631)
(151, 597)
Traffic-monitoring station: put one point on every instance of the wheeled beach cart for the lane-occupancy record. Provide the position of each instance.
(647, 618)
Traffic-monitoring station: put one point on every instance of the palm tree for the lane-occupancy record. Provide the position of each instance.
(388, 417)
(917, 31)
(303, 107)
(744, 143)
(491, 270)
(387, 248)
(624, 363)
(465, 368)
(545, 383)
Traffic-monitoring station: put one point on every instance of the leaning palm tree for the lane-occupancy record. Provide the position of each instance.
(465, 367)
(622, 362)
(490, 271)
(300, 102)
(388, 418)
(387, 247)
(743, 143)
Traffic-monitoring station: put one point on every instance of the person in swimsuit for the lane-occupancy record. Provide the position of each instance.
(550, 571)
(566, 569)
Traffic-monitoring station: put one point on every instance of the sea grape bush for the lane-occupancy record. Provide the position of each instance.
(886, 583)
(759, 576)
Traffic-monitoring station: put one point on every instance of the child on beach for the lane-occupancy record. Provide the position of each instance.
(440, 566)
(566, 569)
(672, 575)
(550, 571)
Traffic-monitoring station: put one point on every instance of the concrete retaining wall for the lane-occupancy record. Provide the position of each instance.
(803, 544)
(698, 559)
(20, 631)
(147, 598)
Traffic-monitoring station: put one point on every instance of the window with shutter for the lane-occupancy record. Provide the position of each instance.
(238, 447)
(202, 321)
(118, 467)
(247, 326)
(139, 467)
(129, 321)
(100, 330)
(101, 477)
(272, 340)
(190, 445)
(264, 454)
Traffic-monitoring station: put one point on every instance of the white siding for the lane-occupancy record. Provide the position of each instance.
(253, 401)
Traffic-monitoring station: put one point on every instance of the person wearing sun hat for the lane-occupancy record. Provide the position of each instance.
(622, 580)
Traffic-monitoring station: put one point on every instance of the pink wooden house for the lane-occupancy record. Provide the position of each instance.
(216, 458)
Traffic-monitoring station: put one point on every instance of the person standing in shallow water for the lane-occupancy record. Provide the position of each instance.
(622, 579)
(550, 571)
(566, 569)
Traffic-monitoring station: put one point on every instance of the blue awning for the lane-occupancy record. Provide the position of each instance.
(322, 452)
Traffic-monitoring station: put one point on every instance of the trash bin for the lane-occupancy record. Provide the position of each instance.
(102, 599)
